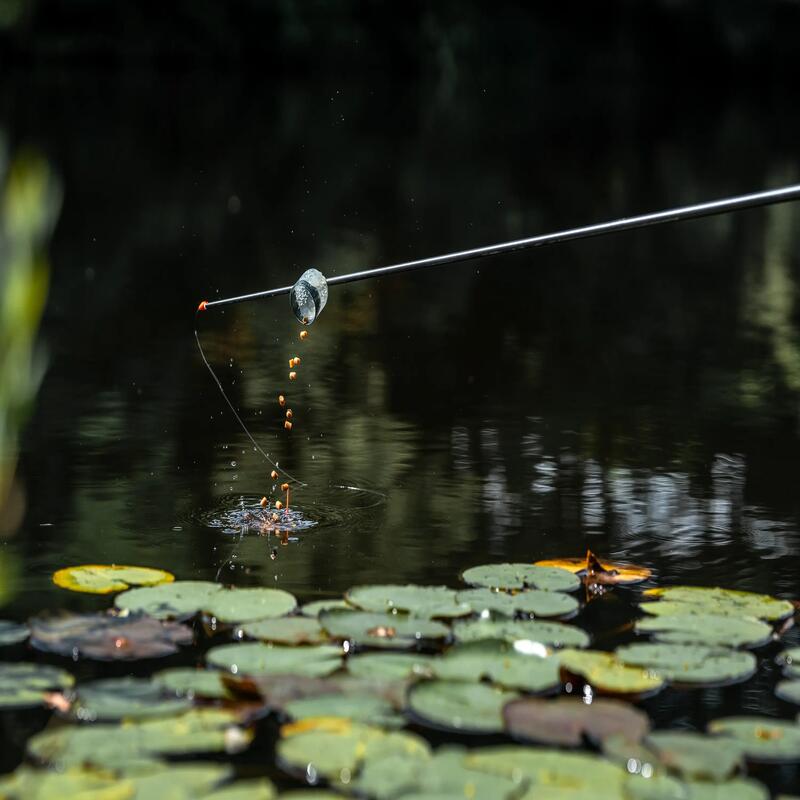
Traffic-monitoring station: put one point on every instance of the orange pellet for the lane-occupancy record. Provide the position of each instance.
(284, 487)
(275, 517)
(287, 425)
(263, 502)
(292, 376)
(273, 474)
(289, 414)
(304, 334)
(278, 505)
(291, 363)
(297, 361)
(281, 400)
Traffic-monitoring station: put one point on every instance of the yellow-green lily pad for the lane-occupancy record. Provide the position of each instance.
(459, 706)
(707, 629)
(537, 602)
(24, 685)
(393, 666)
(107, 578)
(286, 630)
(550, 634)
(714, 600)
(26, 783)
(257, 658)
(691, 664)
(253, 789)
(763, 738)
(381, 629)
(606, 673)
(421, 601)
(180, 781)
(521, 576)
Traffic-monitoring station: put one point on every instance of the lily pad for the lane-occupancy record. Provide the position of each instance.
(381, 629)
(191, 683)
(606, 673)
(74, 784)
(107, 638)
(531, 601)
(325, 747)
(790, 661)
(521, 576)
(178, 600)
(389, 665)
(458, 706)
(249, 605)
(714, 600)
(707, 629)
(184, 781)
(315, 608)
(499, 663)
(690, 663)
(551, 634)
(567, 720)
(592, 569)
(206, 730)
(254, 789)
(12, 632)
(737, 789)
(695, 756)
(256, 658)
(789, 691)
(421, 601)
(763, 738)
(107, 578)
(368, 709)
(24, 685)
(286, 630)
(114, 699)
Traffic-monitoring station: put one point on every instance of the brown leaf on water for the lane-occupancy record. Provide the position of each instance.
(106, 637)
(593, 570)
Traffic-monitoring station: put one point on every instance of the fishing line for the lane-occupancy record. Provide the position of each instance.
(236, 413)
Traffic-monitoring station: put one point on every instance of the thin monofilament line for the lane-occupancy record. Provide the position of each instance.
(238, 418)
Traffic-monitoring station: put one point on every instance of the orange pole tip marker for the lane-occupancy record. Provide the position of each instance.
(202, 306)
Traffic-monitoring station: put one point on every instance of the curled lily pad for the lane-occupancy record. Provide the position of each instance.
(551, 634)
(108, 638)
(694, 756)
(114, 699)
(24, 685)
(74, 784)
(458, 706)
(531, 601)
(206, 730)
(107, 578)
(255, 658)
(521, 576)
(763, 738)
(501, 664)
(790, 661)
(248, 605)
(421, 601)
(178, 600)
(286, 630)
(714, 600)
(12, 632)
(694, 664)
(789, 691)
(592, 569)
(316, 607)
(381, 630)
(394, 666)
(191, 683)
(606, 673)
(324, 747)
(707, 629)
(567, 720)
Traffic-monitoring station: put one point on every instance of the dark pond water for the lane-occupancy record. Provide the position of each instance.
(637, 395)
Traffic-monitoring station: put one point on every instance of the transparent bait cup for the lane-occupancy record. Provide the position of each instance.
(308, 296)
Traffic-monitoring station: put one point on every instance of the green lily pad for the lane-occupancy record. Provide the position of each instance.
(325, 748)
(359, 708)
(394, 666)
(707, 629)
(191, 683)
(567, 720)
(256, 658)
(381, 629)
(12, 632)
(763, 738)
(179, 781)
(254, 789)
(107, 578)
(286, 630)
(421, 601)
(690, 663)
(521, 576)
(178, 600)
(75, 784)
(114, 699)
(695, 756)
(551, 634)
(458, 706)
(315, 608)
(312, 794)
(108, 638)
(789, 691)
(249, 605)
(24, 685)
(714, 600)
(499, 663)
(606, 673)
(530, 601)
(201, 730)
(790, 661)
(737, 789)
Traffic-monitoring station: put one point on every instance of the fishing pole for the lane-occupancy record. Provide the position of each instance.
(309, 293)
